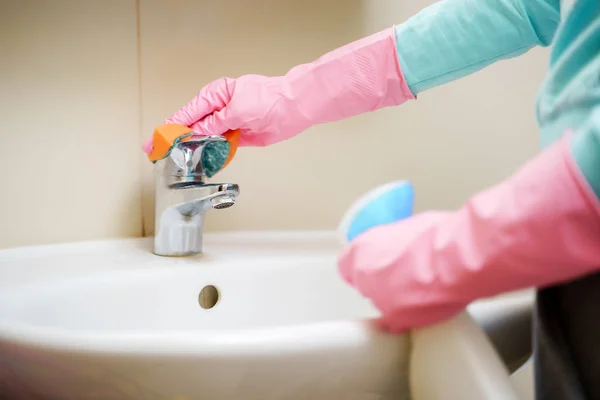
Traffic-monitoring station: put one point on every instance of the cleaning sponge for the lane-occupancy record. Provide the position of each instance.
(215, 157)
(382, 205)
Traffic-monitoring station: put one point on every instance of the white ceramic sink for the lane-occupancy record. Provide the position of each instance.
(110, 320)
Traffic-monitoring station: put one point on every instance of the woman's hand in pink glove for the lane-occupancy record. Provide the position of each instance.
(248, 103)
(227, 104)
(539, 227)
(394, 265)
(359, 77)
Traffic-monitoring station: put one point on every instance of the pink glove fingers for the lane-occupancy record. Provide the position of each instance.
(212, 124)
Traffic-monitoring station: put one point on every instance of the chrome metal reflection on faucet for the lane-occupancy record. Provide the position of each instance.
(183, 197)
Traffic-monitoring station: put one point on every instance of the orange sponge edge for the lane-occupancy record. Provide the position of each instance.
(233, 137)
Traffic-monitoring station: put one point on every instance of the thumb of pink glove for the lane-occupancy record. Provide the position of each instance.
(359, 77)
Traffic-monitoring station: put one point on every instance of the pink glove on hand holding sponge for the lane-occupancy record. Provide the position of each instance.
(356, 78)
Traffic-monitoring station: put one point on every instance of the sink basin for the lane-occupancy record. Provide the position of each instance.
(259, 315)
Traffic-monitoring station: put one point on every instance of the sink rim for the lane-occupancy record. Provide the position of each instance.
(145, 243)
(301, 337)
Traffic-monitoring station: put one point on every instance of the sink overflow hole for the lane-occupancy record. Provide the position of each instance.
(208, 297)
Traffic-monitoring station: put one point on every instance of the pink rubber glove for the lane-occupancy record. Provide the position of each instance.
(360, 77)
(539, 227)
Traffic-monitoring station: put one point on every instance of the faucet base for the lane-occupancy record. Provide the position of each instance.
(179, 237)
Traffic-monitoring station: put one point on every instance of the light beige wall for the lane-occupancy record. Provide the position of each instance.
(454, 141)
(69, 109)
(73, 120)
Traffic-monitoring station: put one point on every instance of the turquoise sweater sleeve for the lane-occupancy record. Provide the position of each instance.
(454, 38)
(570, 98)
(586, 150)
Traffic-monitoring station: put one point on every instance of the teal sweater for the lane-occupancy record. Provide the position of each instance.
(454, 38)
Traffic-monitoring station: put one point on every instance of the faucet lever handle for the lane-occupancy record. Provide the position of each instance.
(188, 158)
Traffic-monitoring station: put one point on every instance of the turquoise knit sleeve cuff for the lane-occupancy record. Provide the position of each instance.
(454, 38)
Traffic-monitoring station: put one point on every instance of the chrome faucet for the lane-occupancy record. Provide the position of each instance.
(183, 197)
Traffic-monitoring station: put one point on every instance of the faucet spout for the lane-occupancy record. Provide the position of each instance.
(183, 198)
(204, 197)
